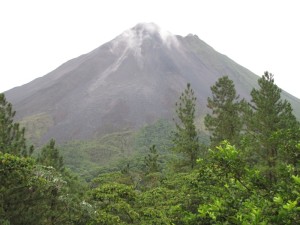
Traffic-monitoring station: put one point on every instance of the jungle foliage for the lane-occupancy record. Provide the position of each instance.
(248, 174)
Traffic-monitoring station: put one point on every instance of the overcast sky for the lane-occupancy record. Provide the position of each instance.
(37, 36)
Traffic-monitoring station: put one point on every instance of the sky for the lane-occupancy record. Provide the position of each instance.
(37, 36)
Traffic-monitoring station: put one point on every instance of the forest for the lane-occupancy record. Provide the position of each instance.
(246, 173)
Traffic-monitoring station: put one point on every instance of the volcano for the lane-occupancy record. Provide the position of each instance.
(124, 84)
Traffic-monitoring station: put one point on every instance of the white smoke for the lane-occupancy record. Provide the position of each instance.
(135, 37)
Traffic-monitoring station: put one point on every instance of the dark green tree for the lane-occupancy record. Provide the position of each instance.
(289, 151)
(12, 137)
(34, 194)
(114, 204)
(151, 160)
(233, 192)
(16, 190)
(50, 156)
(224, 123)
(185, 136)
(267, 116)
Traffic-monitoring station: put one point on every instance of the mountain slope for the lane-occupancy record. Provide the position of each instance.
(130, 81)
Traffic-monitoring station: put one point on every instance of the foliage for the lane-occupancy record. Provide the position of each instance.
(185, 138)
(111, 152)
(15, 187)
(86, 158)
(236, 194)
(225, 122)
(151, 160)
(50, 156)
(113, 202)
(288, 145)
(267, 116)
(34, 194)
(12, 137)
(231, 184)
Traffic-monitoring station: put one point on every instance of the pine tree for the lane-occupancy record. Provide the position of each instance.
(12, 137)
(267, 116)
(50, 156)
(225, 121)
(151, 160)
(185, 136)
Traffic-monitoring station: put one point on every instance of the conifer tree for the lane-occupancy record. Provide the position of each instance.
(185, 136)
(151, 160)
(268, 115)
(12, 137)
(50, 156)
(225, 121)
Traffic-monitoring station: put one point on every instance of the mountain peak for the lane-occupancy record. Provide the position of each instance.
(137, 35)
(148, 27)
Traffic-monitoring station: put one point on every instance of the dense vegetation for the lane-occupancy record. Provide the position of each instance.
(247, 174)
